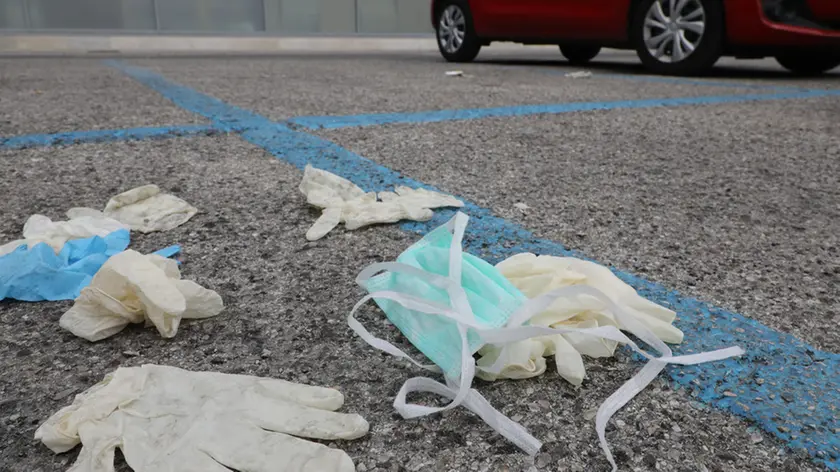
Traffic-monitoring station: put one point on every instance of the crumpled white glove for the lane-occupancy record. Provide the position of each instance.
(343, 201)
(40, 229)
(133, 288)
(145, 209)
(166, 419)
(536, 275)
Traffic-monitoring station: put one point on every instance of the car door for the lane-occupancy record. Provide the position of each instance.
(510, 19)
(553, 19)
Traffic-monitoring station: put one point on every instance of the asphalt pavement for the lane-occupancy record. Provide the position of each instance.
(717, 196)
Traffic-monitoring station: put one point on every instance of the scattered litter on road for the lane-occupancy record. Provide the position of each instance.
(579, 74)
(145, 209)
(343, 201)
(454, 73)
(57, 259)
(135, 288)
(165, 418)
(37, 273)
(40, 229)
(537, 275)
(427, 279)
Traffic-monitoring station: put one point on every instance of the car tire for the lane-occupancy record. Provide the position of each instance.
(808, 65)
(700, 38)
(579, 54)
(453, 20)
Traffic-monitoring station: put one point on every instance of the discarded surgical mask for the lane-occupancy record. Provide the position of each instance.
(450, 304)
(343, 201)
(538, 275)
(136, 288)
(40, 229)
(169, 419)
(37, 273)
(145, 209)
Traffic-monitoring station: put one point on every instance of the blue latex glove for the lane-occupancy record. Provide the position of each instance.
(38, 273)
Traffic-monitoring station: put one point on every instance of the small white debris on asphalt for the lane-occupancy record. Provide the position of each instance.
(579, 74)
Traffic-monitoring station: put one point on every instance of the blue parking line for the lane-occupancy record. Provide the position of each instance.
(103, 136)
(788, 388)
(332, 122)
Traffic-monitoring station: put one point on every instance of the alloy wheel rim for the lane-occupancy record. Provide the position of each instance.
(452, 29)
(673, 29)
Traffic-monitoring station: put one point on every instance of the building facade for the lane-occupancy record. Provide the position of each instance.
(218, 17)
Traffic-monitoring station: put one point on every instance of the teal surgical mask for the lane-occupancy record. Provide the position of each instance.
(449, 304)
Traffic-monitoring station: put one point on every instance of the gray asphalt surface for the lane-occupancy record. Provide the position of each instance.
(58, 95)
(340, 86)
(734, 204)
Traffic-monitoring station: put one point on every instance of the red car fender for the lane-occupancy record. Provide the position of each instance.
(746, 25)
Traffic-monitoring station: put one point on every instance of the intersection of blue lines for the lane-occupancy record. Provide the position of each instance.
(786, 387)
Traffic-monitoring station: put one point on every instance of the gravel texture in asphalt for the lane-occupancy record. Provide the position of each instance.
(59, 95)
(734, 204)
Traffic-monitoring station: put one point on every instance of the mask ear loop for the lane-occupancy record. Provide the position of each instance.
(633, 386)
(464, 317)
(466, 397)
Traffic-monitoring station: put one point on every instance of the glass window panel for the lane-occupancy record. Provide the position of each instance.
(414, 16)
(377, 16)
(211, 15)
(92, 14)
(311, 16)
(11, 14)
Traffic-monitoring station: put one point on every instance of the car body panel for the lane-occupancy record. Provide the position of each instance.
(828, 10)
(607, 22)
(747, 25)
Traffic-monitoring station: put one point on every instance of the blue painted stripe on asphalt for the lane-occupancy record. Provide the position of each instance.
(787, 387)
(332, 122)
(102, 136)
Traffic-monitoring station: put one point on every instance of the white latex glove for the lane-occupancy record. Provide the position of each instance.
(133, 288)
(40, 229)
(536, 275)
(521, 360)
(342, 201)
(145, 209)
(165, 419)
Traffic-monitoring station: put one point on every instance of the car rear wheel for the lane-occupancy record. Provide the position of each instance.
(808, 64)
(579, 54)
(678, 37)
(456, 37)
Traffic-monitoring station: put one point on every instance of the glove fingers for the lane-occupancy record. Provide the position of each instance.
(254, 450)
(328, 220)
(304, 421)
(201, 302)
(309, 395)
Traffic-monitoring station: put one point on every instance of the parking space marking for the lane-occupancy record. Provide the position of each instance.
(787, 387)
(333, 122)
(104, 136)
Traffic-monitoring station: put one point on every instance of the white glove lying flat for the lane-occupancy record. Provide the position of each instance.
(343, 201)
(132, 288)
(40, 229)
(145, 209)
(536, 275)
(165, 419)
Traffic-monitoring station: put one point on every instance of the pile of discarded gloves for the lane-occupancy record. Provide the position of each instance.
(451, 305)
(86, 258)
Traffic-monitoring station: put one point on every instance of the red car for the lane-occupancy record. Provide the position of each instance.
(679, 37)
